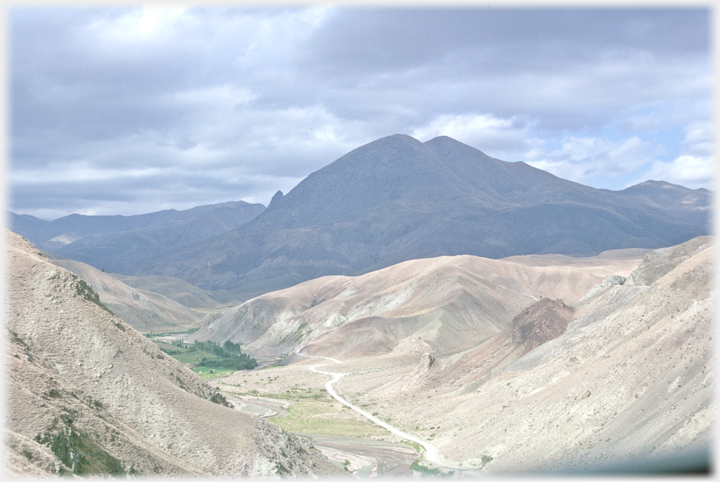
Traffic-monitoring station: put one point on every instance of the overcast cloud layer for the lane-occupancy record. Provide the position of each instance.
(133, 110)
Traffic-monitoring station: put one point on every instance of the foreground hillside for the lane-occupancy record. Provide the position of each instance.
(629, 379)
(397, 199)
(87, 394)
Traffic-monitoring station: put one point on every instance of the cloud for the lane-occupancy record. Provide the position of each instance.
(580, 159)
(175, 103)
(501, 138)
(694, 167)
(689, 171)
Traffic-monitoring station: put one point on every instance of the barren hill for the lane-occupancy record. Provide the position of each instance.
(181, 291)
(450, 303)
(397, 199)
(629, 381)
(146, 311)
(87, 394)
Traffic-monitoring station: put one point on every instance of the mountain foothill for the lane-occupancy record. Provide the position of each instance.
(518, 321)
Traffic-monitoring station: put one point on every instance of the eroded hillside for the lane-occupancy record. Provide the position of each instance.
(146, 311)
(87, 394)
(601, 366)
(452, 303)
(630, 379)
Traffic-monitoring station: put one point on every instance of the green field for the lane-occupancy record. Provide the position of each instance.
(208, 359)
(310, 416)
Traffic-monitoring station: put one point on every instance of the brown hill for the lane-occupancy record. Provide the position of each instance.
(182, 292)
(630, 380)
(146, 311)
(87, 394)
(449, 303)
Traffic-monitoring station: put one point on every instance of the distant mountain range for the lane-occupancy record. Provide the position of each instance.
(397, 199)
(122, 243)
(389, 201)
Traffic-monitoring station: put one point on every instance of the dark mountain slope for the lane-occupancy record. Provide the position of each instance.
(121, 243)
(396, 199)
(674, 201)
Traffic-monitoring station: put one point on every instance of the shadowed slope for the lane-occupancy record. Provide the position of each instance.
(121, 243)
(397, 199)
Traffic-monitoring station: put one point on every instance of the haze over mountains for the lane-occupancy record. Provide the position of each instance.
(122, 243)
(397, 199)
(389, 201)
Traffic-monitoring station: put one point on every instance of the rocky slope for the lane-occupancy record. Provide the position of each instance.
(397, 199)
(146, 311)
(628, 383)
(448, 303)
(87, 394)
(182, 292)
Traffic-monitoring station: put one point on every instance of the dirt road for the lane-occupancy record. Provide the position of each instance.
(431, 452)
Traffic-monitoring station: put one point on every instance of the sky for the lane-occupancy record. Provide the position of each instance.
(129, 110)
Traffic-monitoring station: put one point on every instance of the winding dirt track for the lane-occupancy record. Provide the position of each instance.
(431, 452)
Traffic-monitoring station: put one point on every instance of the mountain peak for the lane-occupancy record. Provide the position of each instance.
(277, 197)
(397, 198)
(441, 139)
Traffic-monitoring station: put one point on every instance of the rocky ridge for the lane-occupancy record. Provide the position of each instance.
(121, 243)
(87, 394)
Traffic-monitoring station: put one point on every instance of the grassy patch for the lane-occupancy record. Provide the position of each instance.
(85, 290)
(207, 373)
(168, 333)
(290, 394)
(425, 471)
(309, 416)
(416, 446)
(211, 359)
(79, 453)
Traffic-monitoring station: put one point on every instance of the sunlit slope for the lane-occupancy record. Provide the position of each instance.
(451, 303)
(145, 311)
(88, 394)
(630, 379)
(181, 291)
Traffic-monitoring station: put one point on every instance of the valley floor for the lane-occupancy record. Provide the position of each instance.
(620, 378)
(294, 398)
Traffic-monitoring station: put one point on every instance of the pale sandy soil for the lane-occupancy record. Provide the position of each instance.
(89, 394)
(375, 453)
(631, 376)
